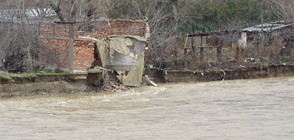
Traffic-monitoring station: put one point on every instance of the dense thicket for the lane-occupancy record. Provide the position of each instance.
(197, 15)
(168, 17)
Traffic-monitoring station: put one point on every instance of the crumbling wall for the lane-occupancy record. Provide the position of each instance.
(125, 55)
(56, 35)
(117, 27)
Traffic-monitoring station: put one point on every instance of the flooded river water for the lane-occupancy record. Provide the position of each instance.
(233, 110)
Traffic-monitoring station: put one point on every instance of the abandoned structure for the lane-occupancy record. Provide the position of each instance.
(112, 44)
(269, 39)
(273, 39)
(210, 46)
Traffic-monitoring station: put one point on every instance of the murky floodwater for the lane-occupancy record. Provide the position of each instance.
(245, 109)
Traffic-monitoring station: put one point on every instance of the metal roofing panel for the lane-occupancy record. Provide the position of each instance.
(32, 16)
(267, 27)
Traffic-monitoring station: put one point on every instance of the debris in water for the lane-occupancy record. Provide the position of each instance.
(148, 81)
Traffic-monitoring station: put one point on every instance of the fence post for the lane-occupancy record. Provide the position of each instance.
(201, 49)
(219, 52)
(237, 52)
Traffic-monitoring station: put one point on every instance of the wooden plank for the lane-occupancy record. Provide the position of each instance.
(219, 53)
(192, 45)
(201, 54)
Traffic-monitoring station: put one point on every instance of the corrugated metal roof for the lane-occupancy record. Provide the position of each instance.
(32, 16)
(268, 27)
(36, 12)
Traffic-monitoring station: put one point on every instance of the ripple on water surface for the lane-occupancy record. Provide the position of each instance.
(241, 109)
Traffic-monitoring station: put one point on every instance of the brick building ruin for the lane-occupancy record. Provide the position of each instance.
(73, 44)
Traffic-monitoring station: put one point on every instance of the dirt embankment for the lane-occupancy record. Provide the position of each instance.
(44, 85)
(70, 84)
(216, 75)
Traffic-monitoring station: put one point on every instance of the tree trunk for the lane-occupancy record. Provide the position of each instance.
(57, 10)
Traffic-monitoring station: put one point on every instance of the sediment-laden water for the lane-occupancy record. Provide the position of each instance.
(244, 109)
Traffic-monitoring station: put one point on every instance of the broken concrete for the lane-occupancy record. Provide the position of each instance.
(125, 55)
(58, 37)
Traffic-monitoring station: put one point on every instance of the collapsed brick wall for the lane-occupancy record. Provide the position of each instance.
(84, 50)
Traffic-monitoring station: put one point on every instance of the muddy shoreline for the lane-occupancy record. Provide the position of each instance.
(76, 83)
(174, 76)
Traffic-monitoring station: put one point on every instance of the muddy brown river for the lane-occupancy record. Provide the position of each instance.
(226, 110)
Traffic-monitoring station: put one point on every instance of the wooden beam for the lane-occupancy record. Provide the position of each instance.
(219, 52)
(201, 49)
(192, 45)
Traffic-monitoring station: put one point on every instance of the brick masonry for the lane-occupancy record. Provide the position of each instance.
(55, 38)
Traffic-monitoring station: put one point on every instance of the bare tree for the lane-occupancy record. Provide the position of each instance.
(283, 9)
(55, 4)
(19, 46)
(77, 10)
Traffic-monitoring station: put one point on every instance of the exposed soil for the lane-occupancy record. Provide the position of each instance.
(44, 85)
(215, 75)
(71, 84)
(43, 88)
(54, 85)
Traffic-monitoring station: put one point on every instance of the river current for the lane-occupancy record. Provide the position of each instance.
(225, 110)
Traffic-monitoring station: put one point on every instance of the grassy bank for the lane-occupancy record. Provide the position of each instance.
(9, 76)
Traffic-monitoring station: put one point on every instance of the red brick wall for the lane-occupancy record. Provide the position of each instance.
(60, 48)
(57, 47)
(121, 27)
(59, 30)
(84, 54)
(117, 27)
(84, 50)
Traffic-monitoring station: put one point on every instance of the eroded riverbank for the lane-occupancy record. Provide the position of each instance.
(76, 83)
